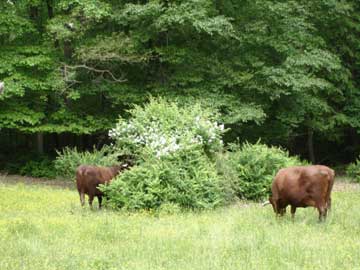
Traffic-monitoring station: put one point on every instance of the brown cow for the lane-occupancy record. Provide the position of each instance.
(302, 186)
(88, 178)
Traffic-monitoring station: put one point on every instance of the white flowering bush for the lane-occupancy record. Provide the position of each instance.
(161, 128)
(174, 149)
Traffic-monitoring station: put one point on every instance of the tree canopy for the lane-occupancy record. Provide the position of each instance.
(278, 70)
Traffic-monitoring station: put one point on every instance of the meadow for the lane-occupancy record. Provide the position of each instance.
(44, 227)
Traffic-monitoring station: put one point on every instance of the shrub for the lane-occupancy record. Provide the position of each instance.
(43, 167)
(174, 147)
(187, 179)
(353, 171)
(70, 158)
(13, 164)
(30, 164)
(250, 168)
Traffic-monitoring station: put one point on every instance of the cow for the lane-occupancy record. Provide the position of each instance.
(88, 178)
(302, 186)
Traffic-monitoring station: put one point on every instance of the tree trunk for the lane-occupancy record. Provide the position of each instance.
(311, 145)
(68, 50)
(354, 138)
(40, 143)
(56, 141)
(50, 9)
(13, 140)
(34, 13)
(80, 142)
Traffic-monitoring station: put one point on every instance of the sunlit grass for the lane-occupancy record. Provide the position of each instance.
(45, 228)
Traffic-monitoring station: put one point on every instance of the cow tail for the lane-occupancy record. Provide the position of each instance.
(79, 176)
(330, 186)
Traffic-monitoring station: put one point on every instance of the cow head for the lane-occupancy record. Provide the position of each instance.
(272, 203)
(277, 207)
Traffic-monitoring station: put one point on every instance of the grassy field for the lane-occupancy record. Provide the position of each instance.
(44, 227)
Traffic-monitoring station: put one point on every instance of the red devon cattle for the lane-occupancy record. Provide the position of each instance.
(88, 178)
(302, 186)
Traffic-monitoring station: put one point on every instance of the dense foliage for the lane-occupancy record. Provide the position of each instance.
(286, 71)
(174, 148)
(353, 171)
(250, 168)
(187, 179)
(162, 128)
(39, 168)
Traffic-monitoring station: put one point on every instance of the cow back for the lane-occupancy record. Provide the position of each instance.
(88, 177)
(303, 186)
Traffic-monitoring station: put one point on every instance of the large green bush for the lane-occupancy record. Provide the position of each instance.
(70, 158)
(187, 179)
(250, 168)
(175, 149)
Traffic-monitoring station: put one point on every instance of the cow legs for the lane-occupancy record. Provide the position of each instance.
(277, 209)
(293, 210)
(322, 211)
(280, 212)
(280, 208)
(329, 204)
(82, 198)
(100, 200)
(91, 198)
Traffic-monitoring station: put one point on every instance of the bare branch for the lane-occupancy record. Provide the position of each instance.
(102, 72)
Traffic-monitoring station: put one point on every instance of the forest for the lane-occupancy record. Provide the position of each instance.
(194, 123)
(285, 72)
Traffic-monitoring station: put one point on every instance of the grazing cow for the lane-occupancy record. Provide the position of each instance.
(88, 178)
(302, 186)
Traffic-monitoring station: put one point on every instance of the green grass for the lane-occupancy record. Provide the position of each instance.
(45, 228)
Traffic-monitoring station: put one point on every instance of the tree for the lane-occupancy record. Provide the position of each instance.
(273, 69)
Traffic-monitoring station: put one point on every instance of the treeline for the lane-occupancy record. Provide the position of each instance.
(283, 71)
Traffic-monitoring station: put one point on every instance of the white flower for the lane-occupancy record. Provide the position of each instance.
(162, 140)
